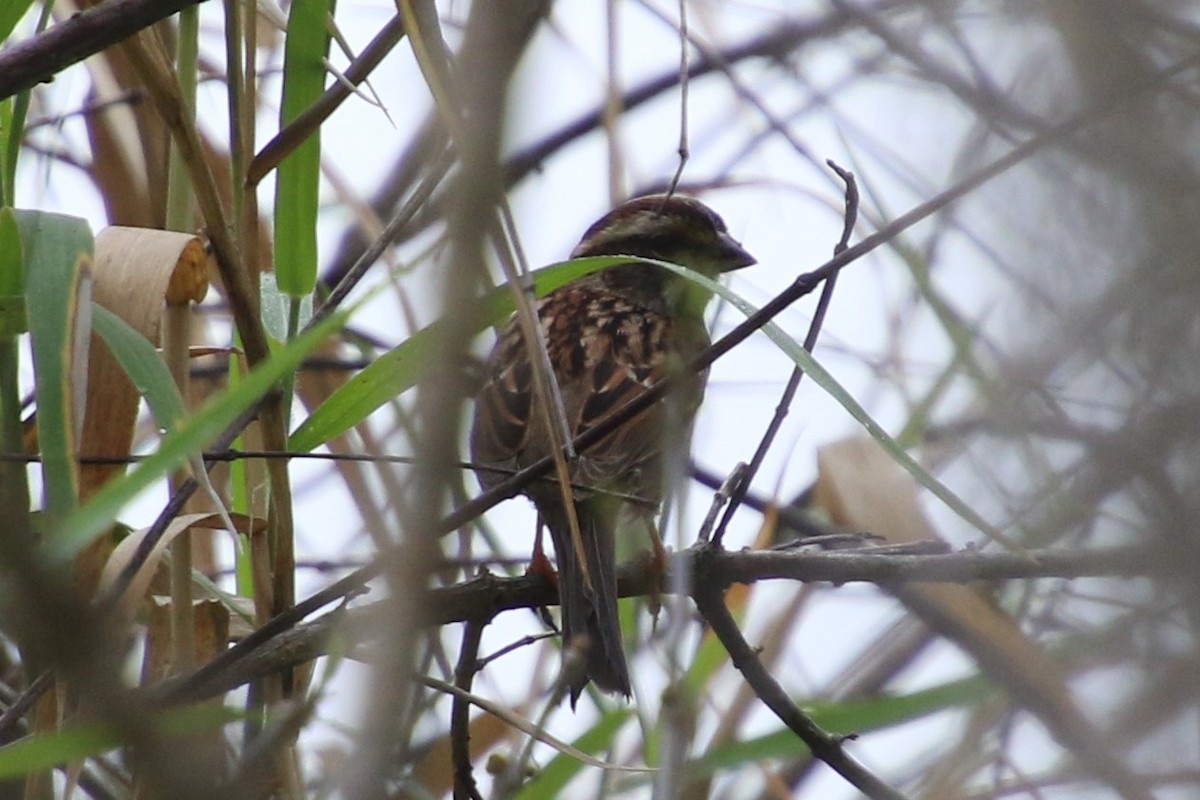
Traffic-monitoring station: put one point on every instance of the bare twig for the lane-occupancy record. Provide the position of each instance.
(825, 746)
(720, 497)
(684, 82)
(524, 641)
(810, 341)
(303, 125)
(460, 714)
(41, 57)
(437, 172)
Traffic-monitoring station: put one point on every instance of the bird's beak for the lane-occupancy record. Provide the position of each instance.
(733, 255)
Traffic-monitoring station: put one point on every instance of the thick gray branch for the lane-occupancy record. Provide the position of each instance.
(482, 598)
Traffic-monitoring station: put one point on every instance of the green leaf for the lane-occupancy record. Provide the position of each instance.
(297, 187)
(846, 718)
(11, 12)
(81, 740)
(405, 365)
(141, 362)
(6, 126)
(56, 248)
(192, 436)
(12, 277)
(551, 781)
(14, 110)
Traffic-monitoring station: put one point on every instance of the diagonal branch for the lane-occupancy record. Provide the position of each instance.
(710, 601)
(39, 58)
(810, 341)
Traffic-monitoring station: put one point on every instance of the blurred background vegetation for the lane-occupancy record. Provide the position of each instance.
(1032, 343)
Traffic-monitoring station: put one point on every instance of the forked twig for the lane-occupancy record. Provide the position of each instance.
(810, 341)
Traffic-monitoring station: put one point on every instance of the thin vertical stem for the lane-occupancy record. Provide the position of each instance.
(612, 109)
(236, 95)
(177, 336)
(14, 479)
(179, 187)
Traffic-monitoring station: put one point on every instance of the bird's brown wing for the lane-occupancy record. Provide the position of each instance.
(628, 458)
(500, 431)
(604, 351)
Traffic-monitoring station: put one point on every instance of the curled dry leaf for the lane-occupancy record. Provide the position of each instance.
(124, 553)
(135, 271)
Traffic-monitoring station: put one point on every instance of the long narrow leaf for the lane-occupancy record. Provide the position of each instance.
(12, 276)
(403, 367)
(11, 12)
(142, 364)
(57, 250)
(554, 777)
(850, 717)
(191, 437)
(84, 739)
(297, 191)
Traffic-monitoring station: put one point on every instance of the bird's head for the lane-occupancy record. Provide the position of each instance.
(672, 228)
(678, 229)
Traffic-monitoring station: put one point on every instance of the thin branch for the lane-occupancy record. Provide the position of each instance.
(402, 218)
(810, 341)
(825, 746)
(684, 148)
(299, 129)
(284, 643)
(39, 58)
(460, 714)
(22, 704)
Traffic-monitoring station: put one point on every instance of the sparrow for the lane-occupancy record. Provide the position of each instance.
(609, 336)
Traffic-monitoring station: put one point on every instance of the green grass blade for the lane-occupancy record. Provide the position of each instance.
(846, 718)
(297, 188)
(141, 362)
(12, 276)
(13, 110)
(6, 125)
(11, 12)
(553, 779)
(84, 739)
(192, 436)
(57, 249)
(403, 367)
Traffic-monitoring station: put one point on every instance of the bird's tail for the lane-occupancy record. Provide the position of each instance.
(590, 611)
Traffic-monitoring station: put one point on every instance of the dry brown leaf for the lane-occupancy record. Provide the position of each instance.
(435, 772)
(134, 272)
(125, 551)
(210, 626)
(862, 488)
